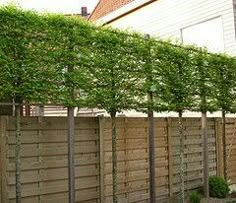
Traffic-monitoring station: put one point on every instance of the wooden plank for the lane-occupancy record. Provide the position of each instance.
(39, 158)
(189, 160)
(170, 160)
(219, 150)
(134, 176)
(192, 132)
(193, 167)
(50, 158)
(132, 145)
(101, 158)
(3, 160)
(125, 176)
(55, 189)
(54, 123)
(54, 150)
(82, 160)
(52, 136)
(127, 155)
(231, 151)
(55, 174)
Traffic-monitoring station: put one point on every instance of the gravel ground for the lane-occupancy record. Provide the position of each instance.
(210, 200)
(213, 200)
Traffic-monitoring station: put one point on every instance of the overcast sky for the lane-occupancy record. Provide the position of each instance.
(55, 6)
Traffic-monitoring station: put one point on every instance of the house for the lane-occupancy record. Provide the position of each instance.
(207, 23)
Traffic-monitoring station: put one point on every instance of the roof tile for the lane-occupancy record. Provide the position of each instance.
(107, 6)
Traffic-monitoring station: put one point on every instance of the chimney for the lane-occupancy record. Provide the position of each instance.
(84, 11)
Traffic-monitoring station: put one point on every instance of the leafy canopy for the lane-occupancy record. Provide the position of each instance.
(68, 61)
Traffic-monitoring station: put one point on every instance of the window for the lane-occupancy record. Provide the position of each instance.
(206, 34)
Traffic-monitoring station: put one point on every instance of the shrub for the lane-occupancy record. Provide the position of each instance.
(194, 197)
(218, 187)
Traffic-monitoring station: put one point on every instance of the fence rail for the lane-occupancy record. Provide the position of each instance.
(44, 158)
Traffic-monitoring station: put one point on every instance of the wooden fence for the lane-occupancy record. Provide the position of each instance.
(231, 150)
(44, 158)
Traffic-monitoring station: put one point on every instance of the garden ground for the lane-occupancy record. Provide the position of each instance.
(215, 200)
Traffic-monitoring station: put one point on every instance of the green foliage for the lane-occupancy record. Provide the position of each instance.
(223, 72)
(19, 64)
(204, 99)
(68, 61)
(176, 77)
(148, 71)
(194, 197)
(36, 54)
(218, 187)
(112, 83)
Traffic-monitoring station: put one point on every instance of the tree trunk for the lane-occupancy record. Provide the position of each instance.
(205, 154)
(71, 146)
(18, 154)
(224, 145)
(151, 153)
(71, 135)
(114, 157)
(181, 135)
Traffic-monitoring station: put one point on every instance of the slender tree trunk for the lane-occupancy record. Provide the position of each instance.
(114, 156)
(71, 146)
(71, 138)
(224, 144)
(181, 135)
(151, 153)
(18, 154)
(205, 154)
(152, 176)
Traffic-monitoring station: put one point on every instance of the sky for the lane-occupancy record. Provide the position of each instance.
(55, 6)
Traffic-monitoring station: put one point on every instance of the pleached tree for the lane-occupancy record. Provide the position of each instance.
(70, 38)
(64, 60)
(40, 65)
(149, 98)
(23, 76)
(113, 82)
(177, 92)
(204, 102)
(223, 73)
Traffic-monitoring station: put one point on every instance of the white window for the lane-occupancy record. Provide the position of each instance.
(207, 34)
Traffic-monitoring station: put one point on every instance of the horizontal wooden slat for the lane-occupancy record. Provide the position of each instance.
(44, 158)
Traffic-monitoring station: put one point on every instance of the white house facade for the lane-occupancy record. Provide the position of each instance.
(209, 23)
(205, 23)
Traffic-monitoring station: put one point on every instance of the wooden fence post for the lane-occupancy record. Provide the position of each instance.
(101, 157)
(126, 189)
(219, 149)
(170, 159)
(1, 172)
(71, 154)
(3, 161)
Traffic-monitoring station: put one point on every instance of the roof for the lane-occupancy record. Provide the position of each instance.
(105, 7)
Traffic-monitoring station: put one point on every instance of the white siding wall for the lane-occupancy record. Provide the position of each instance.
(234, 7)
(166, 18)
